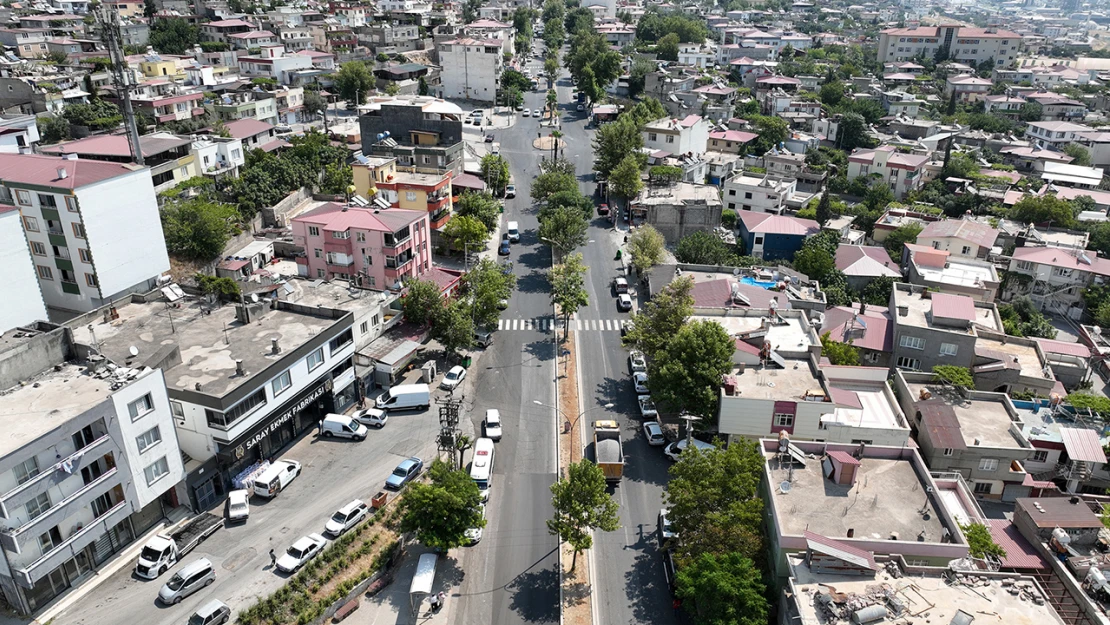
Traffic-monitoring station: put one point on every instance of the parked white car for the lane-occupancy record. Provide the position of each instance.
(372, 417)
(492, 424)
(346, 517)
(453, 378)
(654, 434)
(474, 534)
(639, 382)
(636, 361)
(647, 407)
(238, 506)
(300, 552)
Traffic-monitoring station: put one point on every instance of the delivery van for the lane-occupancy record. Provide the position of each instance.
(276, 477)
(405, 397)
(342, 426)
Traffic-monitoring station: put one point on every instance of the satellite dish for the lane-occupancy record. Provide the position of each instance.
(254, 297)
(735, 271)
(134, 351)
(785, 487)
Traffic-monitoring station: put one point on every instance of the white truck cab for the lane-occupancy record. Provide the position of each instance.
(159, 554)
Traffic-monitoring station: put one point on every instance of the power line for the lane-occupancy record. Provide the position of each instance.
(110, 34)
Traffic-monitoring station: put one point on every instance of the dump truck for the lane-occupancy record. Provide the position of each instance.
(162, 551)
(608, 452)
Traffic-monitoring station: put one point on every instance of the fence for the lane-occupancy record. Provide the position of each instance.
(274, 217)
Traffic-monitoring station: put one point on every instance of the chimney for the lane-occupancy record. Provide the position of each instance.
(863, 308)
(239, 370)
(62, 173)
(274, 347)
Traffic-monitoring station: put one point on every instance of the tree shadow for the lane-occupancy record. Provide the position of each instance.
(533, 282)
(541, 350)
(535, 594)
(646, 587)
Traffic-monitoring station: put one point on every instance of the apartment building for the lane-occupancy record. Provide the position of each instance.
(869, 329)
(966, 238)
(279, 368)
(937, 328)
(428, 193)
(257, 105)
(423, 133)
(760, 194)
(273, 61)
(220, 30)
(164, 100)
(968, 88)
(218, 156)
(1054, 135)
(959, 43)
(24, 304)
(772, 237)
(167, 157)
(29, 43)
(863, 263)
(18, 133)
(940, 271)
(471, 68)
(382, 246)
(730, 141)
(903, 172)
(1055, 107)
(689, 135)
(678, 209)
(89, 462)
(1056, 276)
(89, 248)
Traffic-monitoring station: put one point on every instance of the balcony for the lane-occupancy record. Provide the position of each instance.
(29, 575)
(35, 486)
(78, 499)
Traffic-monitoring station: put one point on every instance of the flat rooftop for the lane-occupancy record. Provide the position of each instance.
(1043, 424)
(986, 421)
(791, 336)
(679, 192)
(774, 383)
(959, 273)
(51, 398)
(920, 314)
(922, 594)
(1025, 355)
(335, 294)
(209, 343)
(887, 499)
(862, 405)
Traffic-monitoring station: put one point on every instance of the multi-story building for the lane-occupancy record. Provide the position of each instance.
(968, 88)
(29, 43)
(167, 157)
(429, 193)
(772, 237)
(423, 133)
(387, 38)
(165, 101)
(941, 271)
(220, 30)
(380, 247)
(688, 135)
(218, 156)
(1056, 277)
(88, 462)
(273, 62)
(960, 237)
(1055, 135)
(1055, 107)
(24, 303)
(18, 133)
(968, 45)
(679, 209)
(89, 248)
(253, 134)
(863, 263)
(937, 328)
(869, 329)
(471, 68)
(903, 172)
(761, 194)
(258, 105)
(492, 29)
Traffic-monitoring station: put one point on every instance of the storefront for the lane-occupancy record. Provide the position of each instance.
(346, 391)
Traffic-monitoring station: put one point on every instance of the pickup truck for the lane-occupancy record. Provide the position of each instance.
(608, 452)
(162, 551)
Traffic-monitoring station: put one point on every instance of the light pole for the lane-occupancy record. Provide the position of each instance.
(569, 423)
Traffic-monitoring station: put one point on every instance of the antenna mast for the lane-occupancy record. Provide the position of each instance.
(110, 33)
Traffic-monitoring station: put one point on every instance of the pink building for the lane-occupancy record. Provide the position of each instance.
(382, 246)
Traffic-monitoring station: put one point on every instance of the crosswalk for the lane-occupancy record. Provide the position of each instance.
(546, 324)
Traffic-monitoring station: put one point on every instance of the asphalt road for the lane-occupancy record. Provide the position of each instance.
(511, 576)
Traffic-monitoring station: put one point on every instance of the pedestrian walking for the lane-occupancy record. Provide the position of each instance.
(273, 559)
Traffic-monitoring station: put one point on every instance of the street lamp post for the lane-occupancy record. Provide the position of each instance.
(568, 423)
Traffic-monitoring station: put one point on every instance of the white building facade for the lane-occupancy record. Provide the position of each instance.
(471, 68)
(23, 302)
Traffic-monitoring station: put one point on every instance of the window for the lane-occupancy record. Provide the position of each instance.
(988, 464)
(140, 407)
(37, 506)
(86, 255)
(38, 249)
(44, 272)
(47, 201)
(156, 471)
(281, 383)
(360, 237)
(912, 342)
(79, 231)
(784, 420)
(313, 231)
(320, 273)
(982, 488)
(90, 279)
(948, 451)
(758, 240)
(912, 364)
(652, 137)
(177, 409)
(48, 540)
(30, 224)
(1060, 271)
(747, 196)
(966, 250)
(318, 253)
(148, 438)
(316, 358)
(1026, 265)
(26, 470)
(23, 197)
(410, 196)
(732, 191)
(948, 349)
(670, 138)
(1039, 456)
(341, 235)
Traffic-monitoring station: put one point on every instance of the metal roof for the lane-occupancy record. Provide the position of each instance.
(843, 551)
(1082, 444)
(953, 306)
(942, 424)
(1019, 553)
(843, 457)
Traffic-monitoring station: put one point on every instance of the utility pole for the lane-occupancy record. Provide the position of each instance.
(449, 427)
(110, 33)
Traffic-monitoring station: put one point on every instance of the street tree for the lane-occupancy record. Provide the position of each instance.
(566, 199)
(465, 232)
(314, 103)
(647, 110)
(568, 287)
(197, 229)
(582, 504)
(453, 327)
(560, 165)
(551, 68)
(651, 328)
(614, 141)
(421, 302)
(1039, 209)
(547, 184)
(486, 285)
(481, 206)
(173, 35)
(564, 229)
(440, 512)
(354, 81)
(495, 173)
(685, 374)
(824, 209)
(647, 247)
(724, 588)
(853, 132)
(626, 180)
(702, 248)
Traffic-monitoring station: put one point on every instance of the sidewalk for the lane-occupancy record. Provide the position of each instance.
(391, 605)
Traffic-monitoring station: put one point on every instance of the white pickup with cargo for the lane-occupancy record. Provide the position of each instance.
(405, 397)
(162, 551)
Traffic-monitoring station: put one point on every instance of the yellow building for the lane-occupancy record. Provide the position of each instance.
(375, 171)
(162, 68)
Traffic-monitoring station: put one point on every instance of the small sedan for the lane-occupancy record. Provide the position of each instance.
(404, 473)
(602, 209)
(510, 191)
(489, 139)
(526, 113)
(474, 534)
(520, 107)
(624, 302)
(371, 417)
(492, 424)
(639, 382)
(666, 530)
(346, 517)
(536, 114)
(636, 361)
(505, 248)
(300, 552)
(654, 434)
(453, 379)
(647, 407)
(580, 107)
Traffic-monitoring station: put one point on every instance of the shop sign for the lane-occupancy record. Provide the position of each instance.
(285, 417)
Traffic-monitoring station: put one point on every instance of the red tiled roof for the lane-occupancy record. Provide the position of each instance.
(446, 279)
(243, 128)
(860, 260)
(878, 336)
(1063, 347)
(778, 224)
(337, 218)
(734, 135)
(1082, 444)
(1019, 553)
(843, 457)
(43, 170)
(974, 231)
(739, 344)
(951, 306)
(1059, 257)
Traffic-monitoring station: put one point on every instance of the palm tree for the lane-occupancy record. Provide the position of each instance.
(462, 443)
(555, 135)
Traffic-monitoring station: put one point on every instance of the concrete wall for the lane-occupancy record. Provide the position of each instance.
(32, 356)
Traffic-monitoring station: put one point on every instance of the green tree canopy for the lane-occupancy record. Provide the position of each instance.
(1039, 209)
(568, 287)
(566, 199)
(1080, 154)
(421, 301)
(198, 228)
(549, 183)
(465, 232)
(877, 292)
(440, 512)
(839, 353)
(173, 35)
(564, 229)
(853, 132)
(650, 329)
(453, 327)
(956, 376)
(725, 589)
(686, 374)
(832, 93)
(667, 48)
(481, 206)
(702, 248)
(486, 285)
(582, 504)
(980, 543)
(495, 173)
(354, 81)
(896, 241)
(647, 247)
(614, 141)
(772, 131)
(626, 180)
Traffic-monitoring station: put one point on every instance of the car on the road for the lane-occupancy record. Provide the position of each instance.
(505, 248)
(346, 517)
(213, 612)
(639, 382)
(474, 534)
(647, 407)
(666, 530)
(238, 506)
(654, 434)
(636, 361)
(191, 578)
(453, 378)
(624, 302)
(526, 113)
(520, 107)
(536, 113)
(488, 139)
(492, 424)
(404, 473)
(602, 209)
(510, 191)
(620, 285)
(281, 131)
(300, 552)
(372, 417)
(674, 450)
(580, 107)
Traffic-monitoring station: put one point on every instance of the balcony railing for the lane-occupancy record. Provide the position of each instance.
(29, 575)
(88, 492)
(29, 489)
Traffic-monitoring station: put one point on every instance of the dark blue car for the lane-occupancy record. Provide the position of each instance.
(504, 249)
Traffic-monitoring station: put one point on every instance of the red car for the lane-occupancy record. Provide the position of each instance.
(602, 209)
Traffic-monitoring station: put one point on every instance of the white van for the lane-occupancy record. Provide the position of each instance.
(276, 477)
(342, 426)
(405, 397)
(513, 230)
(191, 578)
(481, 467)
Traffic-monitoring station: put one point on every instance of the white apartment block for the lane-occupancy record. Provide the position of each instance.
(218, 156)
(18, 134)
(471, 68)
(1055, 134)
(677, 136)
(966, 45)
(758, 194)
(88, 246)
(23, 302)
(87, 464)
(273, 62)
